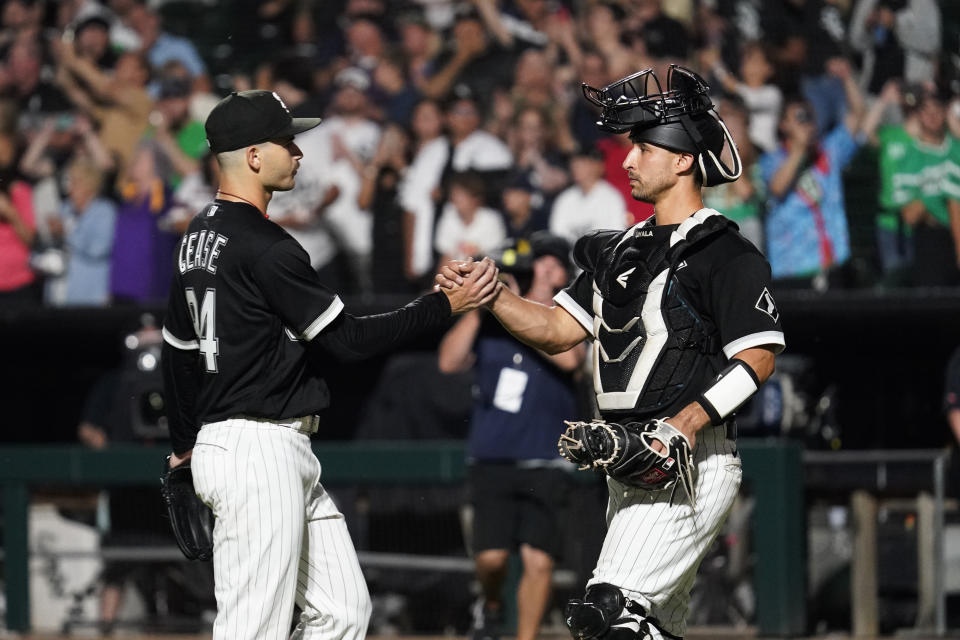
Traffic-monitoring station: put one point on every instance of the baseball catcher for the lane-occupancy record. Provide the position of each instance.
(191, 519)
(683, 330)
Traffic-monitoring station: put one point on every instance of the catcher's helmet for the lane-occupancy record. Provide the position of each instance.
(682, 118)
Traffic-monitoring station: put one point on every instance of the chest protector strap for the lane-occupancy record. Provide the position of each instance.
(649, 339)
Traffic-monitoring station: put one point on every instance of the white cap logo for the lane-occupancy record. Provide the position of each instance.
(280, 100)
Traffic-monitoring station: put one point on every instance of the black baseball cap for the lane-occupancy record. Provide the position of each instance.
(248, 117)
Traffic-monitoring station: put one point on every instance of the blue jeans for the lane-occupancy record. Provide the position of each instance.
(895, 250)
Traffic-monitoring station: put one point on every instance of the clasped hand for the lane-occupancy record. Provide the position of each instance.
(468, 284)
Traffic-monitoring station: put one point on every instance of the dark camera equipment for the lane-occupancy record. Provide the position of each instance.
(142, 383)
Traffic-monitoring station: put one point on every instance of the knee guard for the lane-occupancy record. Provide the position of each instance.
(605, 613)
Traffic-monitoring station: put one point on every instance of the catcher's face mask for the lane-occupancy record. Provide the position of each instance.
(682, 118)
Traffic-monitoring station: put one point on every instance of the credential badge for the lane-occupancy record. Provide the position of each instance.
(766, 304)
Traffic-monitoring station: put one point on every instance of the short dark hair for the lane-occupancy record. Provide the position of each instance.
(470, 181)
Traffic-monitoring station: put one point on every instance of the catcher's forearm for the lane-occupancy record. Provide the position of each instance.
(181, 382)
(550, 329)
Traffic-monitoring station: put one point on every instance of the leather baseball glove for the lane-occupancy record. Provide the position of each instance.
(624, 452)
(190, 518)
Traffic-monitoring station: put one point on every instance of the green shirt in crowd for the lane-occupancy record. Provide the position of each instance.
(912, 170)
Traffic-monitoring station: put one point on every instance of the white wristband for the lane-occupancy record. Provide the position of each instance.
(733, 386)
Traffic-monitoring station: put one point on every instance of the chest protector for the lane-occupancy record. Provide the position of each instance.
(649, 341)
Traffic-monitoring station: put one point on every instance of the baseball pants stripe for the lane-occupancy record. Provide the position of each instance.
(278, 537)
(652, 550)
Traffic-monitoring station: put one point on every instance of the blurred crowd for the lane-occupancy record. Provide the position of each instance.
(453, 126)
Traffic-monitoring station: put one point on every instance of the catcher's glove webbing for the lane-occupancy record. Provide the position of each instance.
(190, 518)
(624, 452)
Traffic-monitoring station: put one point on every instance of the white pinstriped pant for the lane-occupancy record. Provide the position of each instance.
(278, 537)
(652, 550)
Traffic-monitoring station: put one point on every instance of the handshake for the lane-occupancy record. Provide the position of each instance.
(469, 284)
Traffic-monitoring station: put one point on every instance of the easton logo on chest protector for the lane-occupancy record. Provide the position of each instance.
(649, 339)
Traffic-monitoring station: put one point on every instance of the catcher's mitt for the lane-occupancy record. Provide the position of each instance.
(190, 518)
(624, 452)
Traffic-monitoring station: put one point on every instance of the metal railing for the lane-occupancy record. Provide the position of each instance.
(865, 475)
(773, 469)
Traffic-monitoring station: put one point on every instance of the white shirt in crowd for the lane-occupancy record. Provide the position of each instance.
(576, 212)
(415, 196)
(343, 225)
(763, 104)
(486, 232)
(481, 151)
(298, 206)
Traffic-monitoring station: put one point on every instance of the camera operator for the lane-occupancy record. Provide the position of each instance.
(521, 397)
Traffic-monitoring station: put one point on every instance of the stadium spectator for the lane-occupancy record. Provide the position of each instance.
(466, 228)
(603, 23)
(181, 138)
(534, 143)
(142, 252)
(119, 102)
(420, 189)
(86, 223)
(471, 59)
(590, 202)
(51, 148)
(806, 34)
(591, 71)
(894, 238)
(21, 80)
(393, 93)
(898, 39)
(418, 46)
(523, 218)
(806, 228)
(91, 40)
(161, 47)
(379, 193)
(340, 148)
(523, 25)
(472, 148)
(753, 86)
(920, 195)
(18, 284)
(21, 21)
(365, 42)
(662, 36)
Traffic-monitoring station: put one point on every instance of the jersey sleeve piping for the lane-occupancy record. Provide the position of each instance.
(323, 319)
(564, 300)
(174, 341)
(773, 339)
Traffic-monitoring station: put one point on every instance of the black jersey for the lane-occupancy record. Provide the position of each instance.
(666, 306)
(245, 298)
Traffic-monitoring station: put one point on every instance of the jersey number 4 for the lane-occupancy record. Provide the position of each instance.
(204, 317)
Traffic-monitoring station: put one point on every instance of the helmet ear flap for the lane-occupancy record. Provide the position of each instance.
(712, 168)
